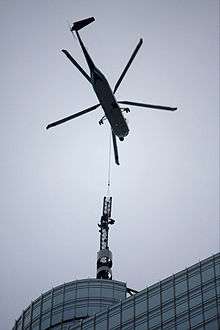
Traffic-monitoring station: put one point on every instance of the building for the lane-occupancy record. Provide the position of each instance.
(189, 299)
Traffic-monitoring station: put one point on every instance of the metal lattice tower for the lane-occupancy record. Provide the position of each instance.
(104, 256)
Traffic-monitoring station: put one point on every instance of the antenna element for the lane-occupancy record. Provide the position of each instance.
(104, 255)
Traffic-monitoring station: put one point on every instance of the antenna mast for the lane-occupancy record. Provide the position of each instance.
(104, 255)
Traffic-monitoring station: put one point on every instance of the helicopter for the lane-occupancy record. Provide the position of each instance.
(104, 93)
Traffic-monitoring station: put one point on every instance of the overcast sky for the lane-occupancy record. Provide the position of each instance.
(166, 190)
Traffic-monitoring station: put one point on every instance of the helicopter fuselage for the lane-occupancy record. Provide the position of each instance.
(109, 104)
(105, 96)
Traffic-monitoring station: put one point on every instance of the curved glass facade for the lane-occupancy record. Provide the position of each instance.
(69, 303)
(187, 300)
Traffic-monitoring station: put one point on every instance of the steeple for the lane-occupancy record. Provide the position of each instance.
(104, 255)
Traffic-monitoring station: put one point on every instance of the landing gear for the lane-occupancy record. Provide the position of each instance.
(101, 121)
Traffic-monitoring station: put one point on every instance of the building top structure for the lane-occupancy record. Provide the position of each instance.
(189, 299)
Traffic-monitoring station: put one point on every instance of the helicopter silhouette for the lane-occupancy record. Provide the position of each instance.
(104, 93)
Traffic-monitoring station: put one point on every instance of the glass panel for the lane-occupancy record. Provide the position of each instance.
(93, 308)
(58, 297)
(83, 292)
(128, 311)
(70, 293)
(197, 319)
(94, 291)
(140, 304)
(46, 302)
(57, 327)
(182, 307)
(101, 322)
(81, 310)
(217, 267)
(181, 287)
(69, 312)
(36, 309)
(119, 293)
(107, 291)
(27, 316)
(155, 320)
(168, 314)
(19, 324)
(218, 286)
(45, 322)
(211, 312)
(207, 274)
(169, 326)
(167, 294)
(154, 301)
(114, 317)
(184, 325)
(213, 325)
(86, 326)
(195, 300)
(194, 281)
(35, 325)
(141, 324)
(209, 294)
(56, 316)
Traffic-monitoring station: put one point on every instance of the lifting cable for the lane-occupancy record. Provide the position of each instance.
(109, 163)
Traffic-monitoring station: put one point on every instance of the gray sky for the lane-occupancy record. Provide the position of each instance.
(166, 191)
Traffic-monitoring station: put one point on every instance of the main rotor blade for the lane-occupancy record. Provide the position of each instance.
(144, 105)
(61, 121)
(115, 148)
(76, 64)
(128, 65)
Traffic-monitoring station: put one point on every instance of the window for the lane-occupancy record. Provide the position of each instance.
(101, 322)
(58, 297)
(154, 301)
(210, 311)
(35, 325)
(181, 306)
(56, 315)
(27, 316)
(195, 300)
(181, 285)
(183, 325)
(140, 304)
(119, 292)
(83, 292)
(167, 293)
(107, 291)
(141, 324)
(194, 281)
(208, 274)
(45, 321)
(70, 292)
(46, 302)
(209, 293)
(19, 324)
(94, 291)
(69, 312)
(81, 310)
(114, 317)
(36, 309)
(168, 314)
(213, 325)
(128, 311)
(196, 319)
(155, 320)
